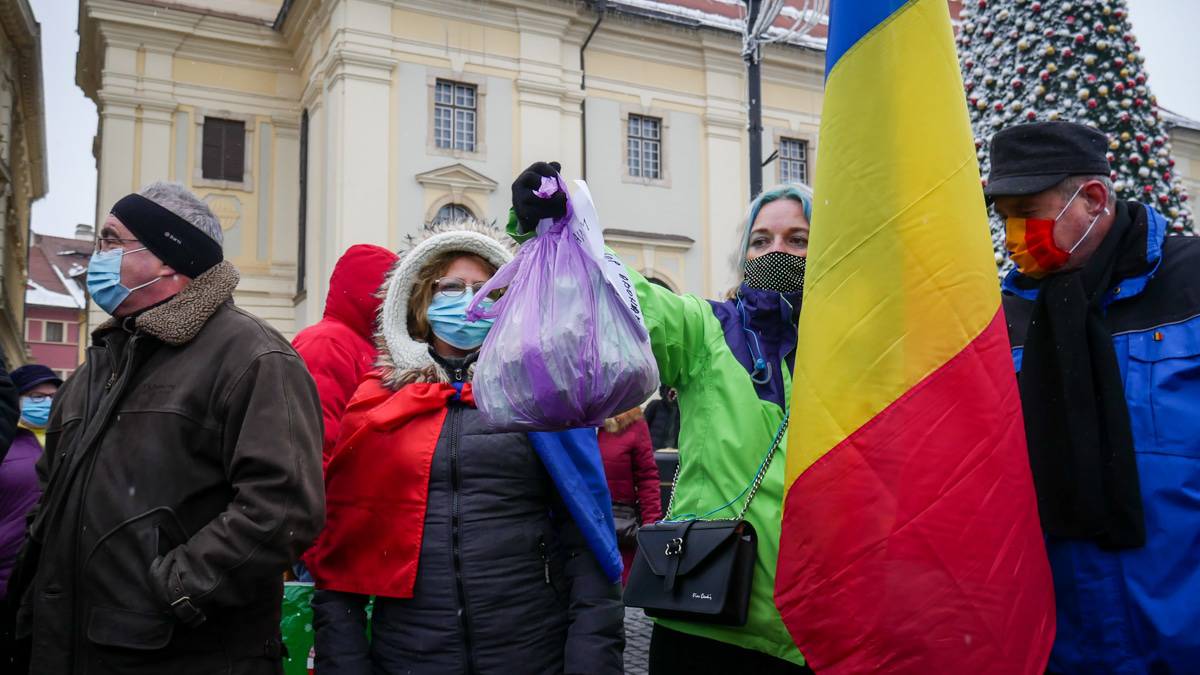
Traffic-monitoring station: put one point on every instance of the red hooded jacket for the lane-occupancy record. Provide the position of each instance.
(339, 350)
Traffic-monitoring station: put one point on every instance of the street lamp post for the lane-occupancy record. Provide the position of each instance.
(753, 59)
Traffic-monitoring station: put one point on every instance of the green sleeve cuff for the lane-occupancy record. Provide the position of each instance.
(514, 228)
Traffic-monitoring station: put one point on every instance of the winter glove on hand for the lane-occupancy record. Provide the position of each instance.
(531, 208)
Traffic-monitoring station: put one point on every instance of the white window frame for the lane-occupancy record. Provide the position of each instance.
(804, 163)
(480, 84)
(664, 138)
(46, 332)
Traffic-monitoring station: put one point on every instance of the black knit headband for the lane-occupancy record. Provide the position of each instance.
(174, 240)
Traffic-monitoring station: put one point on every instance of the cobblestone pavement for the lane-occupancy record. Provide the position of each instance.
(637, 641)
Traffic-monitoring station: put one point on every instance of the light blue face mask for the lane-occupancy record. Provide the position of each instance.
(36, 413)
(104, 279)
(448, 317)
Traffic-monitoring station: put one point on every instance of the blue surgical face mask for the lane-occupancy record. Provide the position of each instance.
(448, 317)
(104, 279)
(36, 413)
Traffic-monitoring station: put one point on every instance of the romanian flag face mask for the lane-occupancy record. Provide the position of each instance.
(1030, 243)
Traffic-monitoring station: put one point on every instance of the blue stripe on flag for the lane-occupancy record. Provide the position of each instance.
(850, 21)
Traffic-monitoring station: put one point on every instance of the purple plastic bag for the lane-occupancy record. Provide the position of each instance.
(568, 348)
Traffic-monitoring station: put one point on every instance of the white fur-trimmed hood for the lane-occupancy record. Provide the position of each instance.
(402, 358)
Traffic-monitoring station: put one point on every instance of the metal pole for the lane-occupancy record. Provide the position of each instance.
(599, 6)
(754, 77)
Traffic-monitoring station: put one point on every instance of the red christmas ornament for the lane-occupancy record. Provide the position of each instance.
(1067, 53)
(1128, 37)
(1021, 70)
(1167, 176)
(1140, 137)
(1183, 197)
(1125, 117)
(1031, 116)
(1170, 162)
(999, 107)
(1119, 62)
(1147, 189)
(1092, 103)
(1138, 103)
(1036, 7)
(1135, 160)
(1141, 79)
(1017, 84)
(1119, 88)
(1163, 199)
(1119, 14)
(969, 86)
(1045, 75)
(982, 4)
(1091, 78)
(1146, 148)
(1070, 19)
(1098, 27)
(1049, 32)
(1110, 157)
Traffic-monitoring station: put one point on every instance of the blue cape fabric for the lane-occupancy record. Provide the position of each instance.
(572, 458)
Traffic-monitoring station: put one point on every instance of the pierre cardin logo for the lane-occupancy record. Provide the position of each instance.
(169, 235)
(701, 596)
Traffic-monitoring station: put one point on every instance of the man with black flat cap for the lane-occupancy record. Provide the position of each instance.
(1104, 318)
(182, 469)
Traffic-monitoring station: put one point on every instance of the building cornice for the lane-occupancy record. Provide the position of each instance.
(25, 34)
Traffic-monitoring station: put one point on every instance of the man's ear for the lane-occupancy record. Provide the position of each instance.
(167, 271)
(1097, 194)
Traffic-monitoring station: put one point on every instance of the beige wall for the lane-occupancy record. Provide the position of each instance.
(154, 86)
(364, 71)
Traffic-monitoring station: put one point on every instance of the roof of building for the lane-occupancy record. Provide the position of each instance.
(57, 272)
(719, 14)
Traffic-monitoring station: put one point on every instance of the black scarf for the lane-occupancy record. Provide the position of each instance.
(1076, 420)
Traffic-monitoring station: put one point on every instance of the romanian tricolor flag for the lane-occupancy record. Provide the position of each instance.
(911, 541)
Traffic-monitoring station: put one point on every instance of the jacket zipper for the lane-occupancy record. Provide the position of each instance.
(464, 615)
(104, 412)
(545, 558)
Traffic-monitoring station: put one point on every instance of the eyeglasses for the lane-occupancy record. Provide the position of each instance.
(109, 243)
(454, 287)
(38, 398)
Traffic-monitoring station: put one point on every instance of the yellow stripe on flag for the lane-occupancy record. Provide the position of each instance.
(898, 283)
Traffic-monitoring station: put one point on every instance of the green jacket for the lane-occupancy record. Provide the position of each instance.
(726, 427)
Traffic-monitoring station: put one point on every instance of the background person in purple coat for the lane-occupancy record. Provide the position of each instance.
(19, 489)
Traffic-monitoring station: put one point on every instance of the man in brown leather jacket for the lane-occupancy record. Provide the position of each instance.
(182, 465)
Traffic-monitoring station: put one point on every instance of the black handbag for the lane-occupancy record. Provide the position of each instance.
(626, 519)
(698, 570)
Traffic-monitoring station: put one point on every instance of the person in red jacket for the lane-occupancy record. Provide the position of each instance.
(340, 348)
(632, 476)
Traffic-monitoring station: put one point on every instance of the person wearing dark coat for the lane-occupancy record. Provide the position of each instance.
(458, 530)
(340, 348)
(662, 415)
(182, 469)
(632, 474)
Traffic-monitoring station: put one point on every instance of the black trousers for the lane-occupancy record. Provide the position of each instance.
(673, 652)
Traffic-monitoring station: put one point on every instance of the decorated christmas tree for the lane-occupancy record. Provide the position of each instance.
(1074, 60)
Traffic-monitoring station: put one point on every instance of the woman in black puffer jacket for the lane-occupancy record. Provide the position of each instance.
(459, 531)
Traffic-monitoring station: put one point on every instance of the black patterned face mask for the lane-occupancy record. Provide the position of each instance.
(776, 271)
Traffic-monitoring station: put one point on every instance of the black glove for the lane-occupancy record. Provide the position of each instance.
(531, 208)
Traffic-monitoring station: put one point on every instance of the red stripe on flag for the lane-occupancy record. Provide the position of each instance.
(923, 521)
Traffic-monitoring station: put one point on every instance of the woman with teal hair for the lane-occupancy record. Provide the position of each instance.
(731, 363)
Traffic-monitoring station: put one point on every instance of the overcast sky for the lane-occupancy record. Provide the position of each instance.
(1166, 29)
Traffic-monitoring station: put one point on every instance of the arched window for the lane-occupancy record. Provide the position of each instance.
(452, 212)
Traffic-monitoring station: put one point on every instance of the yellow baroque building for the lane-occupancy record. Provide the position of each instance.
(313, 125)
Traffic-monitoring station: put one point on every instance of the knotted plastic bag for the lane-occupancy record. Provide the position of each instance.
(569, 347)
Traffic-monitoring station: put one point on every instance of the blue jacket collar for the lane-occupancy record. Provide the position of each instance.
(1024, 287)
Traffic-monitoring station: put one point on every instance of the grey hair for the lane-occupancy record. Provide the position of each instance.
(177, 199)
(1068, 187)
